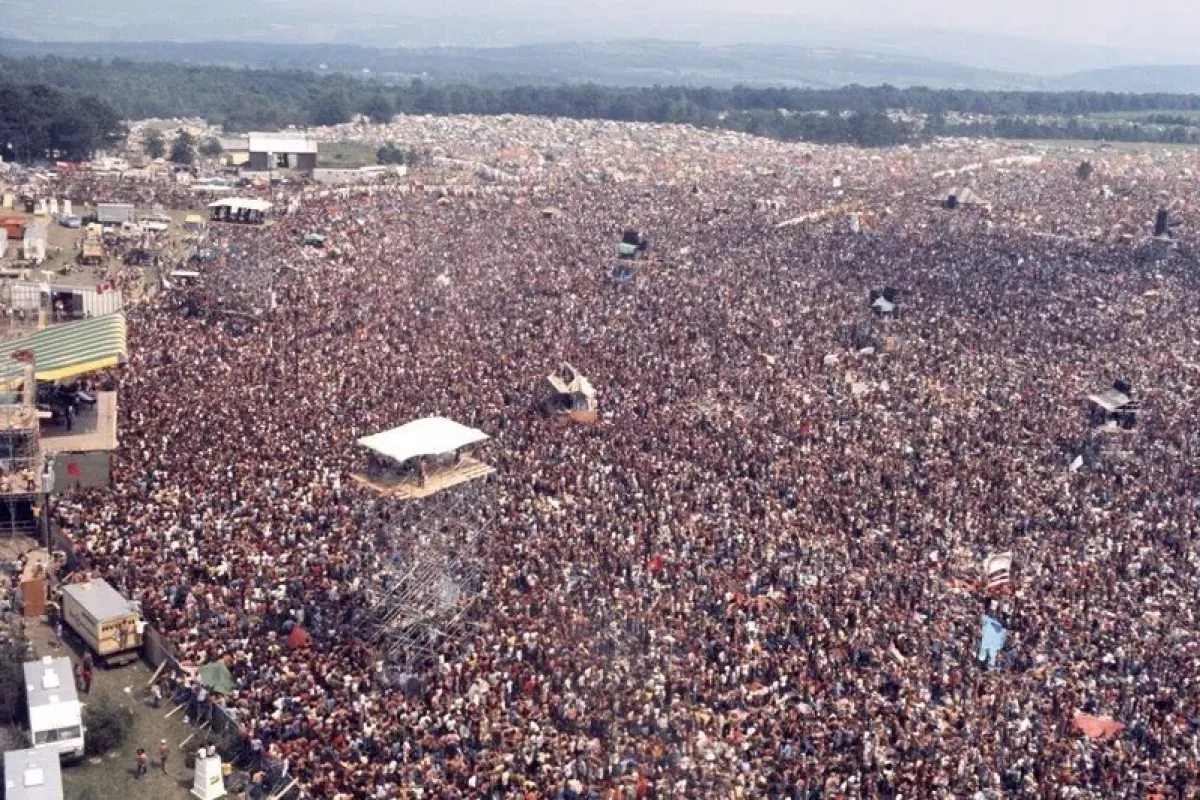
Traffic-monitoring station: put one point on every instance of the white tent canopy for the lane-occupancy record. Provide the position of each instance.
(236, 204)
(422, 437)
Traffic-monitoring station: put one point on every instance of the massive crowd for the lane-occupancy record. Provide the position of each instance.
(761, 575)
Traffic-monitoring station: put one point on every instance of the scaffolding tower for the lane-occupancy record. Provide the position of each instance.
(421, 599)
(22, 468)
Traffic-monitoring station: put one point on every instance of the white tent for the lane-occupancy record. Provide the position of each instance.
(235, 204)
(422, 437)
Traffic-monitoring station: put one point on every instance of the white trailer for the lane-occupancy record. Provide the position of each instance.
(32, 775)
(111, 625)
(55, 713)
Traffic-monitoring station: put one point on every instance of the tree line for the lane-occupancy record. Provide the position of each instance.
(41, 122)
(266, 99)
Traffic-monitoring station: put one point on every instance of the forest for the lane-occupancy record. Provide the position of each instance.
(261, 99)
(40, 122)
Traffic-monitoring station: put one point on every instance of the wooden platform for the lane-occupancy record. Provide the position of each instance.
(578, 418)
(95, 429)
(438, 480)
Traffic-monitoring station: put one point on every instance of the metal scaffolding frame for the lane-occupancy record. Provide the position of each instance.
(422, 597)
(22, 465)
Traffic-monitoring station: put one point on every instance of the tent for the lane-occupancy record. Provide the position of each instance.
(217, 678)
(73, 348)
(423, 437)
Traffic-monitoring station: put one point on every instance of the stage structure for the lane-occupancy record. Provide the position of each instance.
(421, 458)
(423, 595)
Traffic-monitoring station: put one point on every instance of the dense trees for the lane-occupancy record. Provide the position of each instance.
(40, 122)
(183, 148)
(156, 145)
(243, 99)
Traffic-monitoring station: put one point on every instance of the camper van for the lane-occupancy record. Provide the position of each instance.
(55, 713)
(32, 775)
(111, 625)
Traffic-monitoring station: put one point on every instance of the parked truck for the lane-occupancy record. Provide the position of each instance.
(111, 625)
(55, 713)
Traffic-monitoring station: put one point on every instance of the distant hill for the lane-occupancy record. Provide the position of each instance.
(628, 63)
(1161, 79)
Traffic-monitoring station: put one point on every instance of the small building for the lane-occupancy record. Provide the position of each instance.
(114, 213)
(421, 458)
(270, 152)
(235, 150)
(32, 775)
(55, 713)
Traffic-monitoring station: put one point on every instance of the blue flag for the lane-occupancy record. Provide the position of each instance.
(991, 641)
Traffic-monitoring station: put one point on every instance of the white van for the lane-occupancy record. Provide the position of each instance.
(55, 713)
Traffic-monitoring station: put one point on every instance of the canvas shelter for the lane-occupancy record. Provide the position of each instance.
(423, 437)
(217, 678)
(73, 348)
(572, 391)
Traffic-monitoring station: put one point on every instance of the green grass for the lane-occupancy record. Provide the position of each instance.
(345, 155)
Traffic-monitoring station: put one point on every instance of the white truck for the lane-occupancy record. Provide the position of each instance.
(111, 625)
(55, 713)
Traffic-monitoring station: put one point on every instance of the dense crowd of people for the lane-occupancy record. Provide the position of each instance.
(760, 576)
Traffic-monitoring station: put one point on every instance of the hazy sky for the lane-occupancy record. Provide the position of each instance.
(1168, 29)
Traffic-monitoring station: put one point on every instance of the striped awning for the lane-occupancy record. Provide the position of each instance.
(73, 348)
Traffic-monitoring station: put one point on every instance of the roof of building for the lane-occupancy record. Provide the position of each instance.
(272, 143)
(422, 437)
(32, 775)
(233, 143)
(49, 681)
(100, 599)
(73, 348)
(239, 203)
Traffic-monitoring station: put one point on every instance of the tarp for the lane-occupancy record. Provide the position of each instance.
(422, 437)
(217, 678)
(991, 640)
(74, 348)
(299, 638)
(1096, 727)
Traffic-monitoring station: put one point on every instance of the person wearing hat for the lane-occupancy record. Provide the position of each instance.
(163, 752)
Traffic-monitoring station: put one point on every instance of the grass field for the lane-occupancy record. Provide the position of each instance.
(345, 155)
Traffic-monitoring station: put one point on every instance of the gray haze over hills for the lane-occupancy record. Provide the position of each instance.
(906, 42)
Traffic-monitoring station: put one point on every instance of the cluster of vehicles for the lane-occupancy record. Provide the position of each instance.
(111, 627)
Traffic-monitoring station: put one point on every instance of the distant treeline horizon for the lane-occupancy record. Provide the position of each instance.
(266, 99)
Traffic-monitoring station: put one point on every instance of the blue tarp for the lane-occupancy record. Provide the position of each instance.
(991, 641)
